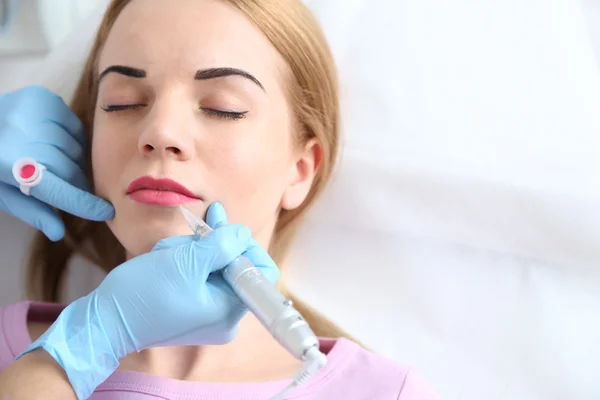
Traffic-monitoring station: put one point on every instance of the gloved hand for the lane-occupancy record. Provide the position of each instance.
(174, 295)
(36, 123)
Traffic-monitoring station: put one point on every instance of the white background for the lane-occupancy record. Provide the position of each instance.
(462, 233)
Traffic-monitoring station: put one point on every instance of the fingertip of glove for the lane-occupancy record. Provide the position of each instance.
(53, 230)
(216, 215)
(54, 236)
(106, 210)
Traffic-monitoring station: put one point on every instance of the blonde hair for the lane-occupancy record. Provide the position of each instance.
(295, 33)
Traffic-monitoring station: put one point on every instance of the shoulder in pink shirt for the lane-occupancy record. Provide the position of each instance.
(352, 373)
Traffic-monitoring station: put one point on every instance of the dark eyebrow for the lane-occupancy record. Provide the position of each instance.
(123, 70)
(212, 73)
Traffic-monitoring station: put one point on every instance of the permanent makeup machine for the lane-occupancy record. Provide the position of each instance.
(273, 310)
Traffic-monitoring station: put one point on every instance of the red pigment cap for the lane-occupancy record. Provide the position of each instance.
(27, 171)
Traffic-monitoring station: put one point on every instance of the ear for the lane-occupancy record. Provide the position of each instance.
(302, 174)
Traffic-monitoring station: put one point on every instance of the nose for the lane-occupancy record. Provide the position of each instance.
(166, 134)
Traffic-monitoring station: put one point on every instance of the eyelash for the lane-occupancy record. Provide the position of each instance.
(233, 115)
(122, 108)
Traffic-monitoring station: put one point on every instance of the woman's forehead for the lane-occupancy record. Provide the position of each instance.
(183, 36)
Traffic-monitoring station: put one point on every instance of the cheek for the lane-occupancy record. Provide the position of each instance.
(252, 178)
(108, 161)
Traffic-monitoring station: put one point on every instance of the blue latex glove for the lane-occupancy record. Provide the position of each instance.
(174, 295)
(36, 123)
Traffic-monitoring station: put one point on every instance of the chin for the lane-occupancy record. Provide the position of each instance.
(140, 239)
(139, 230)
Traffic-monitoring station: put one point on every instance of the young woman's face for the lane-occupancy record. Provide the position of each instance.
(192, 92)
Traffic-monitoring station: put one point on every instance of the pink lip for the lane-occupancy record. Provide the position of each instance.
(162, 192)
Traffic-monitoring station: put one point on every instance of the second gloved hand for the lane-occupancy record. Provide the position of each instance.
(36, 123)
(174, 295)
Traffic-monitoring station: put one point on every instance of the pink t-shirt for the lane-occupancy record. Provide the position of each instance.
(352, 373)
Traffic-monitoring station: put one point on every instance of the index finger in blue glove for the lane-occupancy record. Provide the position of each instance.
(51, 133)
(196, 257)
(56, 192)
(59, 164)
(44, 105)
(223, 245)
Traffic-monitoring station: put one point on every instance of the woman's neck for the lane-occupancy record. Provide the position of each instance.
(252, 356)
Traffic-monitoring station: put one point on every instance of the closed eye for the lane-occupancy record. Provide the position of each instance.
(235, 115)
